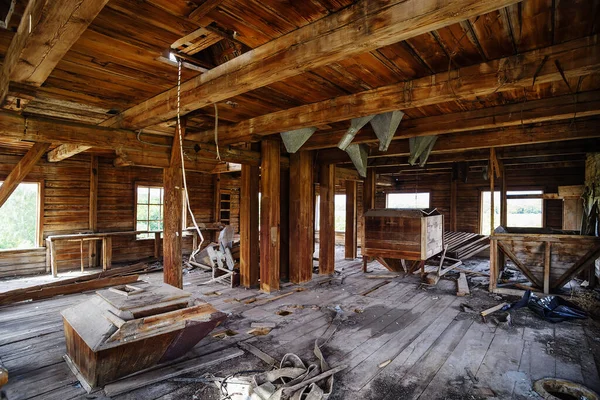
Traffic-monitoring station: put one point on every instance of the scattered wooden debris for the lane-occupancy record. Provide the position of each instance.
(270, 325)
(463, 285)
(463, 245)
(167, 372)
(491, 310)
(77, 284)
(259, 353)
(384, 364)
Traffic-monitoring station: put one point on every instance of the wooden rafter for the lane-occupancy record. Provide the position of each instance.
(513, 136)
(65, 151)
(21, 170)
(47, 31)
(357, 29)
(578, 58)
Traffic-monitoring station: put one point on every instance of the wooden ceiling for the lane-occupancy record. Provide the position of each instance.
(120, 60)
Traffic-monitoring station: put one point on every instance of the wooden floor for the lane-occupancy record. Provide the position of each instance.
(400, 340)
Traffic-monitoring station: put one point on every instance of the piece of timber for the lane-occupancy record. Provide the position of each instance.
(45, 34)
(512, 136)
(463, 285)
(359, 28)
(21, 170)
(578, 58)
(45, 292)
(46, 130)
(65, 151)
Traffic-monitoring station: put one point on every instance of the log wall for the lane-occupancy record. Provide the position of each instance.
(66, 187)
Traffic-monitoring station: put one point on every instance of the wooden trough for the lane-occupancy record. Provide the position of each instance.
(126, 329)
(548, 260)
(391, 235)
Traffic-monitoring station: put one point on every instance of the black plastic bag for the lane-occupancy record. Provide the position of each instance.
(555, 309)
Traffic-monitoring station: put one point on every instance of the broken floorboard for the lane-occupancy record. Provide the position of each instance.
(419, 337)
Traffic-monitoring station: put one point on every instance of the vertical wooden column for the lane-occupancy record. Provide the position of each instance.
(369, 186)
(327, 222)
(249, 268)
(270, 215)
(453, 204)
(302, 215)
(503, 198)
(284, 224)
(491, 176)
(93, 211)
(547, 263)
(173, 216)
(493, 264)
(350, 234)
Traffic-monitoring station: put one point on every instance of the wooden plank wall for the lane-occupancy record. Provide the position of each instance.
(66, 208)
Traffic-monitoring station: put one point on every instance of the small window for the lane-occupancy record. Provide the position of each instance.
(525, 209)
(149, 210)
(20, 218)
(407, 200)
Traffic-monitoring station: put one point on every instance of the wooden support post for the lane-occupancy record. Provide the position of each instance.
(350, 234)
(492, 187)
(157, 244)
(269, 216)
(547, 262)
(453, 204)
(327, 221)
(93, 211)
(106, 253)
(493, 264)
(302, 215)
(249, 268)
(369, 186)
(284, 224)
(21, 170)
(52, 250)
(173, 215)
(503, 211)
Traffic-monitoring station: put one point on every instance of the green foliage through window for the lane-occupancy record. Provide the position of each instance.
(149, 210)
(19, 216)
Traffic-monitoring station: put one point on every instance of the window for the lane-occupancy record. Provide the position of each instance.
(149, 210)
(524, 209)
(20, 218)
(407, 200)
(339, 213)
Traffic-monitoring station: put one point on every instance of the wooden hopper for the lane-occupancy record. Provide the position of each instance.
(129, 328)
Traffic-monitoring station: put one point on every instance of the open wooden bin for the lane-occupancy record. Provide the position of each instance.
(409, 234)
(127, 329)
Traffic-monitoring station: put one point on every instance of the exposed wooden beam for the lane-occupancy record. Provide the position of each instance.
(327, 219)
(46, 32)
(249, 244)
(21, 170)
(65, 151)
(512, 136)
(47, 130)
(204, 9)
(270, 216)
(359, 28)
(160, 160)
(302, 214)
(577, 58)
(173, 216)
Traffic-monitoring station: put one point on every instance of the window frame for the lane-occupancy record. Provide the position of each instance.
(428, 192)
(40, 243)
(514, 197)
(135, 210)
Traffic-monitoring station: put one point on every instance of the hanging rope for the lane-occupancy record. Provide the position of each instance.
(187, 196)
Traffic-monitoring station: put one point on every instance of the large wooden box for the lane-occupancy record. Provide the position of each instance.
(410, 234)
(127, 329)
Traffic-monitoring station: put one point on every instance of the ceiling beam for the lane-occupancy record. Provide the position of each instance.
(46, 32)
(35, 129)
(576, 58)
(359, 28)
(65, 151)
(160, 160)
(511, 136)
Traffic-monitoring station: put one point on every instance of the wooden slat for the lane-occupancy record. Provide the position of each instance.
(330, 39)
(65, 151)
(327, 219)
(21, 170)
(477, 80)
(269, 216)
(301, 216)
(47, 31)
(173, 216)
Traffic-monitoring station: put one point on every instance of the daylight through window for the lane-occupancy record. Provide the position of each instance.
(149, 210)
(408, 200)
(20, 218)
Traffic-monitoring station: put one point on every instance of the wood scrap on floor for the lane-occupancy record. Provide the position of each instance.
(463, 245)
(463, 285)
(78, 284)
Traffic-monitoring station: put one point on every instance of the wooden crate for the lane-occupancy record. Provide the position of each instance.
(409, 234)
(123, 330)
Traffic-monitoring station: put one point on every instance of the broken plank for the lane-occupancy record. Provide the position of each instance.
(463, 285)
(491, 310)
(160, 374)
